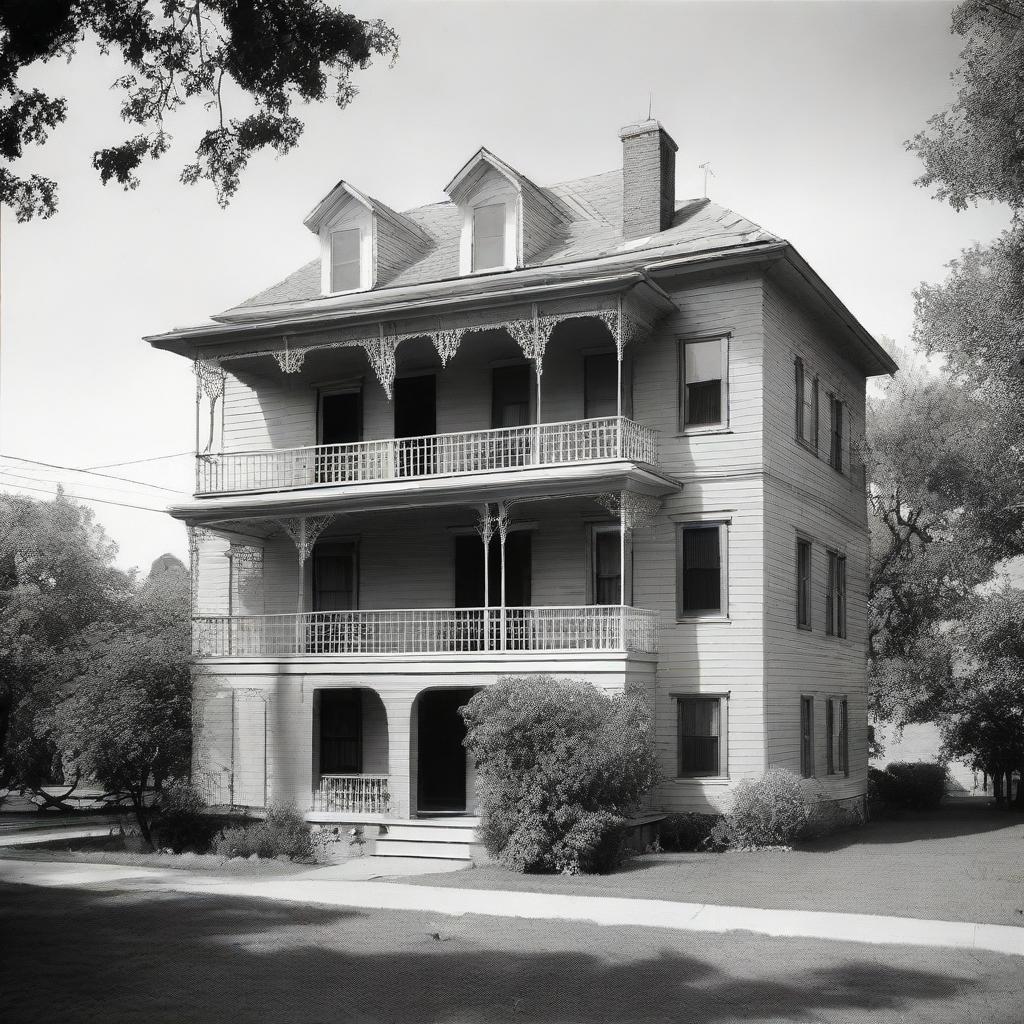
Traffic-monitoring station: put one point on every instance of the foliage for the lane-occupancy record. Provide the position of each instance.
(283, 833)
(261, 56)
(915, 785)
(57, 580)
(771, 810)
(686, 833)
(560, 765)
(181, 824)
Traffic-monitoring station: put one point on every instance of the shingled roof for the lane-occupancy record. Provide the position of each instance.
(594, 230)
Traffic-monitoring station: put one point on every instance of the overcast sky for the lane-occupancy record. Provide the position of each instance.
(802, 110)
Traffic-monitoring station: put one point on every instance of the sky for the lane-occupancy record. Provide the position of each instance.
(802, 110)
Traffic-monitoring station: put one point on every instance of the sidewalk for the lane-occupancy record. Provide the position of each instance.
(312, 888)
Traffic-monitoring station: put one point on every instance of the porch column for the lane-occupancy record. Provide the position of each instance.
(503, 524)
(401, 752)
(618, 370)
(303, 531)
(485, 527)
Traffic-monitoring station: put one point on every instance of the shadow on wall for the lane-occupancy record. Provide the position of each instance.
(213, 958)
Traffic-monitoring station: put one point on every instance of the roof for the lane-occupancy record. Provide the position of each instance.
(592, 230)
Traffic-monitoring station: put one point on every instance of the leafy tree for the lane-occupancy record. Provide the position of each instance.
(260, 55)
(559, 766)
(124, 718)
(57, 578)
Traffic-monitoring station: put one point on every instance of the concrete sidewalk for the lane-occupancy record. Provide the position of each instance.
(310, 888)
(32, 836)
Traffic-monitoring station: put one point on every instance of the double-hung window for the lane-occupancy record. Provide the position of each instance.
(705, 384)
(835, 595)
(701, 732)
(836, 732)
(803, 583)
(346, 270)
(701, 569)
(835, 457)
(807, 737)
(806, 406)
(489, 236)
(607, 565)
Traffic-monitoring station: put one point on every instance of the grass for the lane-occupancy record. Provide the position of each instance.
(110, 956)
(960, 863)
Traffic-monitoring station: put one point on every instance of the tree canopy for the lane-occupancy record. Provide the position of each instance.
(247, 61)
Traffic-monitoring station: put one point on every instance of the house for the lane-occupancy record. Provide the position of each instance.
(581, 429)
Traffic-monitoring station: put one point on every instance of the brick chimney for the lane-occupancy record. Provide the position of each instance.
(648, 179)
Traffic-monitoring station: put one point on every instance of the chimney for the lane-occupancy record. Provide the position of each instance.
(648, 179)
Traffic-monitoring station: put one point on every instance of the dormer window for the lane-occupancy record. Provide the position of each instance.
(346, 270)
(489, 236)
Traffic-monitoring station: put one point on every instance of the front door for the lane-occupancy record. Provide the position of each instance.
(416, 419)
(341, 423)
(441, 761)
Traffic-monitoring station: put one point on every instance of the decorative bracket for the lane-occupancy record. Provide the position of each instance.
(304, 531)
(381, 353)
(247, 555)
(447, 343)
(636, 511)
(290, 359)
(210, 377)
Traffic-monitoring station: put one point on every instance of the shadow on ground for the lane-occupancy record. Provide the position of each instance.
(129, 956)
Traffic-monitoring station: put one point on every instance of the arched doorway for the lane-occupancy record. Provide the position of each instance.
(442, 769)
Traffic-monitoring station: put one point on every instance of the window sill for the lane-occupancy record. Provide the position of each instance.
(701, 431)
(804, 628)
(703, 618)
(711, 780)
(807, 446)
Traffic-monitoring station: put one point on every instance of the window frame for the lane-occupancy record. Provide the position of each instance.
(722, 700)
(800, 378)
(804, 587)
(807, 765)
(358, 231)
(835, 595)
(502, 264)
(596, 529)
(836, 433)
(722, 612)
(842, 704)
(723, 423)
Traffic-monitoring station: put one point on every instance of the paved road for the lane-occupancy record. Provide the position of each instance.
(108, 956)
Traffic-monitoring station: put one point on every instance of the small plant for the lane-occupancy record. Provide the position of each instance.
(917, 786)
(771, 810)
(283, 833)
(181, 824)
(686, 833)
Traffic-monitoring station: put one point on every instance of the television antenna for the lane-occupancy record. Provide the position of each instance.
(706, 168)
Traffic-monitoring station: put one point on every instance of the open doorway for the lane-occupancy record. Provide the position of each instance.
(441, 756)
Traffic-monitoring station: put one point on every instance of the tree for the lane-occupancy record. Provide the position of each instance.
(260, 55)
(57, 579)
(559, 766)
(124, 718)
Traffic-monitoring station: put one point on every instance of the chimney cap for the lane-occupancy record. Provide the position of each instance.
(645, 128)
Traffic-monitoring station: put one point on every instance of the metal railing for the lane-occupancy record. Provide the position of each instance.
(352, 794)
(453, 631)
(471, 451)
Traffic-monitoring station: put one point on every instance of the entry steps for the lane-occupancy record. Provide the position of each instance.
(449, 838)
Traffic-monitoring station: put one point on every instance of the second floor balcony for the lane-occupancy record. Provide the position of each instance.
(537, 445)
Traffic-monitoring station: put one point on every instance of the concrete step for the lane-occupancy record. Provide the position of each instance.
(432, 833)
(417, 848)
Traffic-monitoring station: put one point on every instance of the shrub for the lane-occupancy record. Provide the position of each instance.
(560, 765)
(181, 824)
(686, 833)
(771, 810)
(919, 786)
(283, 832)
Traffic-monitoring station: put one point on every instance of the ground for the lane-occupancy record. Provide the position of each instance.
(960, 863)
(103, 956)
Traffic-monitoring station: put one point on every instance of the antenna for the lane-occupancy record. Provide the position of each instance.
(650, 104)
(706, 168)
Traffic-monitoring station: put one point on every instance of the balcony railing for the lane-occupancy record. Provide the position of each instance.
(352, 794)
(472, 451)
(454, 631)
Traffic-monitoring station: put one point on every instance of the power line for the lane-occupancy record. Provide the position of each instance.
(73, 469)
(137, 462)
(78, 497)
(38, 479)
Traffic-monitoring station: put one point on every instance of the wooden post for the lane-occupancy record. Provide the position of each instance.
(485, 536)
(502, 534)
(622, 569)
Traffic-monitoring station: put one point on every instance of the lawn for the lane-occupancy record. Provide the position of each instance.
(964, 862)
(106, 956)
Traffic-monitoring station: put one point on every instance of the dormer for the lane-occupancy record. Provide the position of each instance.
(363, 243)
(506, 219)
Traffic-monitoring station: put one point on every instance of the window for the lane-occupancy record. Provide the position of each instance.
(835, 728)
(701, 571)
(335, 574)
(835, 595)
(835, 457)
(803, 583)
(345, 265)
(705, 379)
(806, 407)
(701, 736)
(600, 385)
(606, 565)
(807, 737)
(489, 236)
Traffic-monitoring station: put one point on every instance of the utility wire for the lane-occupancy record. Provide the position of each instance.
(37, 479)
(78, 497)
(137, 462)
(72, 469)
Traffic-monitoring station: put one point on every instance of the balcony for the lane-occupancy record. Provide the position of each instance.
(539, 445)
(425, 631)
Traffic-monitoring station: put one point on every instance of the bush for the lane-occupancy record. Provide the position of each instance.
(181, 823)
(768, 811)
(560, 766)
(686, 833)
(283, 832)
(918, 786)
